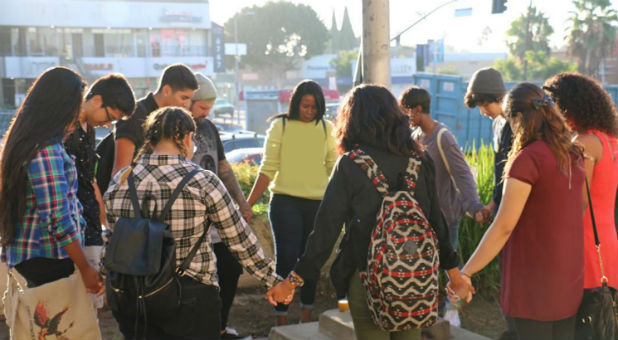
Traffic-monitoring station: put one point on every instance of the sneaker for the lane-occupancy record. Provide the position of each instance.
(232, 334)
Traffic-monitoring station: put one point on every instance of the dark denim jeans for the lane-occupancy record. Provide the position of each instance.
(198, 317)
(292, 221)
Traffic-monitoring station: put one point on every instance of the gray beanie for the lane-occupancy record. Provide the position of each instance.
(207, 89)
(487, 81)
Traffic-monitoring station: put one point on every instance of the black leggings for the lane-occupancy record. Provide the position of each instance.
(533, 329)
(39, 270)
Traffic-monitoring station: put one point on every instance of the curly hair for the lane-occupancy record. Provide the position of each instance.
(473, 100)
(583, 102)
(536, 119)
(372, 116)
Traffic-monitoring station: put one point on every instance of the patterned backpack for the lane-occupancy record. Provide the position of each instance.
(401, 278)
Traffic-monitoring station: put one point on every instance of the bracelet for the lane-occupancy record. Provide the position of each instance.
(296, 280)
(466, 275)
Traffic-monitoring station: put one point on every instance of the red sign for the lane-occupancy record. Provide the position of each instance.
(99, 67)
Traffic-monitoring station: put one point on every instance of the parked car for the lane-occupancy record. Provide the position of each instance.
(241, 140)
(252, 156)
(223, 107)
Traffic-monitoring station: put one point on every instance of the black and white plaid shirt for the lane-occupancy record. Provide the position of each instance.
(204, 199)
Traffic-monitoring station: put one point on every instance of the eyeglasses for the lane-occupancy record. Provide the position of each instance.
(109, 119)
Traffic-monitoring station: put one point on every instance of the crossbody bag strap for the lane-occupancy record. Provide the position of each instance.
(597, 243)
(133, 195)
(179, 187)
(448, 168)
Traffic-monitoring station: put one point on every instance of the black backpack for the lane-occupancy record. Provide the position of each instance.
(142, 278)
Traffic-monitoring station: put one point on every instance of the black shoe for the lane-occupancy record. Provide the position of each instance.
(232, 334)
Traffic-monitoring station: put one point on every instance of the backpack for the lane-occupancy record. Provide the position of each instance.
(142, 277)
(401, 278)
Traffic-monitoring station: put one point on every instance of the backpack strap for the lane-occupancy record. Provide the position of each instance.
(411, 175)
(448, 168)
(133, 195)
(179, 187)
(370, 167)
(187, 261)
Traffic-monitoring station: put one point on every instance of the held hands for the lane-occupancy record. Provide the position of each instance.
(459, 289)
(483, 214)
(246, 212)
(282, 292)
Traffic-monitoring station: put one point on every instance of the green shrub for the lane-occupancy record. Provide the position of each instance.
(486, 282)
(246, 175)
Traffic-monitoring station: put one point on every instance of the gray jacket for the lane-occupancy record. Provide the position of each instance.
(453, 205)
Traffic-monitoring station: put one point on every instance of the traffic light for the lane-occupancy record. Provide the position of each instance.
(498, 6)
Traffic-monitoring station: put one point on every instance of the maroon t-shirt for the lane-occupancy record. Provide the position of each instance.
(543, 260)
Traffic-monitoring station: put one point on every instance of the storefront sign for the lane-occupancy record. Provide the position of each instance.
(28, 67)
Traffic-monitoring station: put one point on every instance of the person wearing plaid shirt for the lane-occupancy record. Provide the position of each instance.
(204, 201)
(40, 215)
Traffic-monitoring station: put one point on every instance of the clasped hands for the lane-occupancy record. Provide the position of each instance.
(282, 292)
(459, 289)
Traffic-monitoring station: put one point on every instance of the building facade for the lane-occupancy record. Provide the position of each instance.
(95, 37)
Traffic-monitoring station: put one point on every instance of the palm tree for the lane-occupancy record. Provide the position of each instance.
(592, 33)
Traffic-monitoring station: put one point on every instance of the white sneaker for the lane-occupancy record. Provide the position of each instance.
(231, 333)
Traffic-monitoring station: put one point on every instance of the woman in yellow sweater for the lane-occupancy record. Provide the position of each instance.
(299, 154)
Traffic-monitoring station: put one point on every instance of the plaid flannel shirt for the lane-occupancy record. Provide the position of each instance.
(50, 220)
(203, 200)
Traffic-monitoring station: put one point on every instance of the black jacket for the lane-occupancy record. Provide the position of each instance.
(351, 200)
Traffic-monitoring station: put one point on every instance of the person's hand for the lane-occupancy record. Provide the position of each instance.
(483, 214)
(92, 280)
(246, 211)
(283, 292)
(459, 287)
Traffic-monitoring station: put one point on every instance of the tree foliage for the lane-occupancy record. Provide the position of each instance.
(592, 33)
(529, 51)
(343, 63)
(540, 67)
(530, 31)
(277, 34)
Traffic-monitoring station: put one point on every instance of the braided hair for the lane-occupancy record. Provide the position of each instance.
(167, 123)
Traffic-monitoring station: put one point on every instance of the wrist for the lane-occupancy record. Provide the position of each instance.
(295, 280)
(463, 273)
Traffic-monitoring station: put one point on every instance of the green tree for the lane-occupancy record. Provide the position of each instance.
(530, 31)
(347, 39)
(529, 51)
(277, 34)
(592, 33)
(343, 63)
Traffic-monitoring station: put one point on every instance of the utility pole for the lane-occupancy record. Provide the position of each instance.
(236, 75)
(376, 42)
(528, 38)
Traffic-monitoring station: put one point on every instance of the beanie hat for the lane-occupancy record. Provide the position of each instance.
(487, 81)
(207, 89)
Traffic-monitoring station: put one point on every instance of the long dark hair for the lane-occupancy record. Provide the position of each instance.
(536, 119)
(51, 107)
(172, 123)
(371, 116)
(305, 87)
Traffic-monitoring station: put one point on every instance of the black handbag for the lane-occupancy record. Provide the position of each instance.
(140, 260)
(597, 317)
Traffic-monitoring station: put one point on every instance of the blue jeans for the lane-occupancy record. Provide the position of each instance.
(453, 233)
(291, 219)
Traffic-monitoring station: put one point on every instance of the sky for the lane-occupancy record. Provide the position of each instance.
(464, 34)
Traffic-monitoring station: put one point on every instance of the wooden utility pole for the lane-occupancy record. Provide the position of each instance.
(376, 43)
